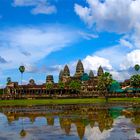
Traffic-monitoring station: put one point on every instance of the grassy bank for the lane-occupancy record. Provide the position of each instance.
(65, 101)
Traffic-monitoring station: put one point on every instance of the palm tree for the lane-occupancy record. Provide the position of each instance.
(21, 69)
(137, 67)
(104, 82)
(135, 81)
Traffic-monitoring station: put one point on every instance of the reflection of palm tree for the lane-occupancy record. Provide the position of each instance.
(23, 133)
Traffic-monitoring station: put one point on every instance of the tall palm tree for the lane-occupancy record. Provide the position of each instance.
(137, 67)
(21, 69)
(104, 82)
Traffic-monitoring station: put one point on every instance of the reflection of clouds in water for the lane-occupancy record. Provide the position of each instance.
(122, 130)
(95, 134)
(39, 130)
(3, 118)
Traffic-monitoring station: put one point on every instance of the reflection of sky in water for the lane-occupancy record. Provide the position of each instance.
(39, 130)
(122, 129)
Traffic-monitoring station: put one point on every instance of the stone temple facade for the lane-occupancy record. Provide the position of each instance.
(89, 81)
(65, 77)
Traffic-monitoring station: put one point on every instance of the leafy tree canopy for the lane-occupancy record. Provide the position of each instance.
(21, 69)
(137, 67)
(104, 81)
(135, 81)
(61, 85)
(114, 86)
(75, 85)
(49, 86)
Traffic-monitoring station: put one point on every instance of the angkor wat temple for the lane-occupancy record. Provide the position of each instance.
(88, 83)
(65, 77)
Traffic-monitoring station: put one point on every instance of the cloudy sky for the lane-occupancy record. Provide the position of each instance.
(44, 35)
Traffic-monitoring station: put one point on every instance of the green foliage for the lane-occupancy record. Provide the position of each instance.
(61, 85)
(75, 85)
(104, 81)
(22, 69)
(64, 101)
(1, 91)
(137, 67)
(49, 86)
(114, 86)
(135, 81)
(85, 77)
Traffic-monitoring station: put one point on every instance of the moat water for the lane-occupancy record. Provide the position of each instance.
(112, 121)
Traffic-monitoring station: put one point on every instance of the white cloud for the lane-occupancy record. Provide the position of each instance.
(111, 15)
(93, 63)
(88, 36)
(39, 6)
(37, 42)
(41, 9)
(120, 131)
(125, 43)
(131, 59)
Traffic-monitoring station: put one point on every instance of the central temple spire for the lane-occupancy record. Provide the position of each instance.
(79, 69)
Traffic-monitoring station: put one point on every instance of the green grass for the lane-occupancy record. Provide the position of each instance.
(64, 101)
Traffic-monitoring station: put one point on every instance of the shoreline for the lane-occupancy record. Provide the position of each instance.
(64, 101)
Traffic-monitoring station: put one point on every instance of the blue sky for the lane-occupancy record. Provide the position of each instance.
(44, 35)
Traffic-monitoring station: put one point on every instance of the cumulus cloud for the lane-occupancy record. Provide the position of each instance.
(126, 43)
(111, 15)
(117, 132)
(27, 45)
(120, 17)
(93, 63)
(39, 6)
(131, 59)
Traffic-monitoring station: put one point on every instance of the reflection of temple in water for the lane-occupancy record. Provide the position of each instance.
(79, 116)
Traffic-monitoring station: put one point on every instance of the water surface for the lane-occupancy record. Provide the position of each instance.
(113, 121)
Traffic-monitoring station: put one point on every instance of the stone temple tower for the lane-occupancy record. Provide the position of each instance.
(66, 74)
(66, 71)
(60, 75)
(91, 74)
(100, 71)
(79, 69)
(49, 79)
